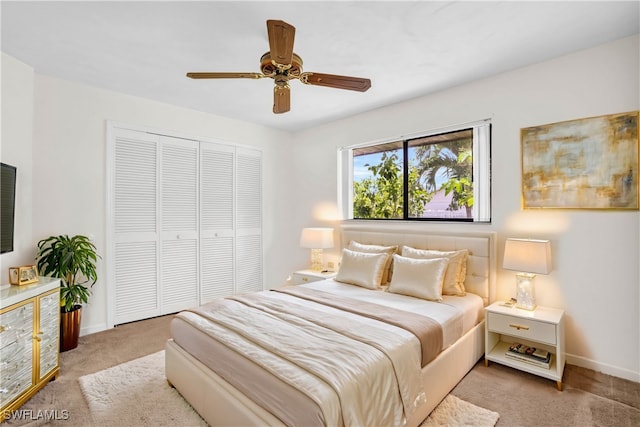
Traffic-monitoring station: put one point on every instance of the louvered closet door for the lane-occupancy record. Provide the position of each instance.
(134, 225)
(217, 240)
(179, 224)
(249, 256)
(186, 223)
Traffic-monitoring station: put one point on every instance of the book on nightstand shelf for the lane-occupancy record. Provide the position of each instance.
(531, 355)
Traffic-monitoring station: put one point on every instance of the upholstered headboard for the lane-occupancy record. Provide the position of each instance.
(481, 264)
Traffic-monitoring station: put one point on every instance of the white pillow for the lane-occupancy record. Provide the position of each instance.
(361, 269)
(420, 278)
(390, 250)
(456, 272)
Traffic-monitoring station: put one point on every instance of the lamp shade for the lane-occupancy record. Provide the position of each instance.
(316, 238)
(528, 256)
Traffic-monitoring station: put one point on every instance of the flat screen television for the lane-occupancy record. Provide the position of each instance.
(7, 206)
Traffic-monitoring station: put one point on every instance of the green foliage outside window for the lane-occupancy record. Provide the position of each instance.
(381, 196)
(446, 166)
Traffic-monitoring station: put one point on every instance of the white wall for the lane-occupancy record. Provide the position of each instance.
(596, 275)
(596, 253)
(69, 168)
(16, 150)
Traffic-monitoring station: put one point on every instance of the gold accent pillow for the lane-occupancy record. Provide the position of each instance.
(420, 278)
(456, 272)
(361, 268)
(390, 250)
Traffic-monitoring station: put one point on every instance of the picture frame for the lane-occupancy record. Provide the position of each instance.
(589, 163)
(24, 275)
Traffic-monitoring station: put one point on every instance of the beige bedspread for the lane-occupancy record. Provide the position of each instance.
(341, 368)
(427, 330)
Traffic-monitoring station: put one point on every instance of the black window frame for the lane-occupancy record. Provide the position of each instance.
(405, 178)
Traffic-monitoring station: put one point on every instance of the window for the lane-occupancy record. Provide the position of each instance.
(443, 175)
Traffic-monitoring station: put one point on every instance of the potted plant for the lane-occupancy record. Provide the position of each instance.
(73, 261)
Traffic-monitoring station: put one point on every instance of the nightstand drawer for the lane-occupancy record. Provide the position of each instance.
(306, 276)
(299, 279)
(522, 327)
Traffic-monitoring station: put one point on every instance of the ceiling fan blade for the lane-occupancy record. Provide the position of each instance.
(281, 99)
(224, 75)
(339, 82)
(281, 36)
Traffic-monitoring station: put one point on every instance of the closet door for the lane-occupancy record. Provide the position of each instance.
(217, 236)
(184, 223)
(249, 258)
(179, 224)
(134, 226)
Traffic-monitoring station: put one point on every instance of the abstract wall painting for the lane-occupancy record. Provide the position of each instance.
(589, 163)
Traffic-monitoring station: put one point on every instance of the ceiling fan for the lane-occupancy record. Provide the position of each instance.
(282, 65)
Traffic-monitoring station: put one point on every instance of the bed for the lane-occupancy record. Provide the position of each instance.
(330, 352)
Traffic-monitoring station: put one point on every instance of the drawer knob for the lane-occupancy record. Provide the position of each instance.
(518, 327)
(305, 279)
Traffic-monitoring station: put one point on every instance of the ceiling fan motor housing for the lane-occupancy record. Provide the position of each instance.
(270, 68)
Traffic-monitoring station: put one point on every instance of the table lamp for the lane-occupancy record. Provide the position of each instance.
(316, 239)
(527, 257)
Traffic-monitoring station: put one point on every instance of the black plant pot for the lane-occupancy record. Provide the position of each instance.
(70, 328)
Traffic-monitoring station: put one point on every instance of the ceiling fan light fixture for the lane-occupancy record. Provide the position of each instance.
(282, 65)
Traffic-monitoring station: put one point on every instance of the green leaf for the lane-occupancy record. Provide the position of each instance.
(73, 260)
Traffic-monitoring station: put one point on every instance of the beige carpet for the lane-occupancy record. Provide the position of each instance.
(136, 393)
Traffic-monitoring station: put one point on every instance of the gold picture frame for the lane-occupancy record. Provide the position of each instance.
(589, 163)
(23, 275)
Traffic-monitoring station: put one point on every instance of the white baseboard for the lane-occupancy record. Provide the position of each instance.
(615, 371)
(93, 329)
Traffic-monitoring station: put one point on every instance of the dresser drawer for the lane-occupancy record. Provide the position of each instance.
(12, 387)
(16, 324)
(522, 328)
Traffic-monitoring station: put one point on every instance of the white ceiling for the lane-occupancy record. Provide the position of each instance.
(407, 49)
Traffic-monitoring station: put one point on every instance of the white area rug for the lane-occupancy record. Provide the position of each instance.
(454, 412)
(136, 393)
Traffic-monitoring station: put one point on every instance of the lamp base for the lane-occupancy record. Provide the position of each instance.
(525, 291)
(316, 259)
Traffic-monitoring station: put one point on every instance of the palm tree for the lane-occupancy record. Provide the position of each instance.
(453, 161)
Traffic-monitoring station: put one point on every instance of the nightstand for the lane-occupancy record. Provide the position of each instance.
(306, 276)
(542, 328)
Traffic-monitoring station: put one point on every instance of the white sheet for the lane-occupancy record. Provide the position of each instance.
(457, 315)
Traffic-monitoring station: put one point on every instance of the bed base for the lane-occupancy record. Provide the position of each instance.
(220, 404)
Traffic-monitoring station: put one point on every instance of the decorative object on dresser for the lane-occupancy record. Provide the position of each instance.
(73, 260)
(29, 328)
(527, 257)
(316, 239)
(23, 275)
(305, 276)
(541, 330)
(589, 163)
